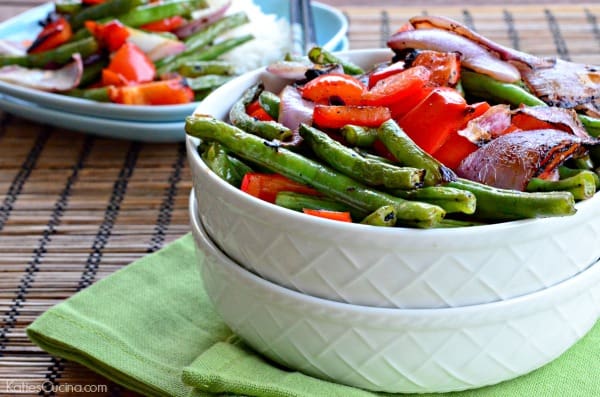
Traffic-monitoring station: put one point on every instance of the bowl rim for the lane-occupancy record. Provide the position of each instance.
(302, 220)
(504, 308)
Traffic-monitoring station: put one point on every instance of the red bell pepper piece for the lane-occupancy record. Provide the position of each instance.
(339, 116)
(111, 35)
(52, 35)
(266, 186)
(342, 216)
(164, 92)
(131, 64)
(444, 66)
(92, 2)
(255, 110)
(457, 147)
(432, 121)
(382, 73)
(398, 87)
(164, 25)
(333, 88)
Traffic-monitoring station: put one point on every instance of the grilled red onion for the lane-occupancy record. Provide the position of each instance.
(510, 161)
(63, 79)
(207, 17)
(293, 110)
(473, 56)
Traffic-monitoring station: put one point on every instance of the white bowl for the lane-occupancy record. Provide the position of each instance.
(398, 350)
(387, 267)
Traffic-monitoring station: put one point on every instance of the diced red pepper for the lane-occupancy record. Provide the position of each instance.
(398, 87)
(339, 116)
(457, 147)
(266, 186)
(444, 66)
(342, 216)
(132, 65)
(432, 121)
(526, 122)
(111, 35)
(383, 72)
(52, 35)
(255, 110)
(334, 88)
(164, 25)
(164, 92)
(92, 2)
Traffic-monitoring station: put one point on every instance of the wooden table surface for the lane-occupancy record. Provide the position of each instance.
(74, 208)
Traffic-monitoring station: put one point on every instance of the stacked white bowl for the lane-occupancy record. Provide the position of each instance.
(392, 309)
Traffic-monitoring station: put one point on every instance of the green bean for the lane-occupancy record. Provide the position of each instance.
(60, 55)
(207, 54)
(266, 129)
(92, 72)
(203, 68)
(208, 82)
(147, 13)
(218, 161)
(68, 7)
(591, 124)
(109, 8)
(270, 102)
(494, 204)
(565, 172)
(449, 198)
(448, 222)
(382, 216)
(581, 185)
(204, 37)
(348, 162)
(321, 56)
(372, 156)
(99, 94)
(301, 169)
(408, 153)
(489, 88)
(298, 201)
(359, 136)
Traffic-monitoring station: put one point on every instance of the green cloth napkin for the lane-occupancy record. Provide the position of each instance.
(150, 327)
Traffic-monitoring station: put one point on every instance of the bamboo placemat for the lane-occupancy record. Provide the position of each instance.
(74, 208)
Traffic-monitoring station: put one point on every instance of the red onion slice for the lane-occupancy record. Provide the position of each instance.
(294, 110)
(63, 79)
(206, 17)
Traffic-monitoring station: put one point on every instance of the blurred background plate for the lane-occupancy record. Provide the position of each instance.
(332, 27)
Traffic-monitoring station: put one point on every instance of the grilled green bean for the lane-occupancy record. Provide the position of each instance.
(147, 13)
(369, 172)
(203, 68)
(298, 201)
(489, 88)
(301, 169)
(408, 153)
(99, 94)
(494, 204)
(207, 54)
(109, 8)
(207, 82)
(449, 198)
(266, 129)
(565, 172)
(321, 56)
(581, 185)
(59, 55)
(382, 216)
(218, 161)
(359, 136)
(270, 102)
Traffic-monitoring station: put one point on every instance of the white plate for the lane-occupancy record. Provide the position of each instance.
(331, 25)
(110, 128)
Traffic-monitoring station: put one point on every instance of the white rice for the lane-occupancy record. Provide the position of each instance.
(271, 37)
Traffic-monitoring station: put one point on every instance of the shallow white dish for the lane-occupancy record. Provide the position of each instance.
(398, 350)
(109, 128)
(332, 27)
(387, 267)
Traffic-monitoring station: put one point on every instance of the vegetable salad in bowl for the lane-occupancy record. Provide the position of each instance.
(140, 52)
(440, 134)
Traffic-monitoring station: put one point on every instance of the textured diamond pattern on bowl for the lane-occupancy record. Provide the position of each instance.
(310, 264)
(468, 349)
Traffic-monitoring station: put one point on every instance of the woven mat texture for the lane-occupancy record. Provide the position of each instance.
(74, 208)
